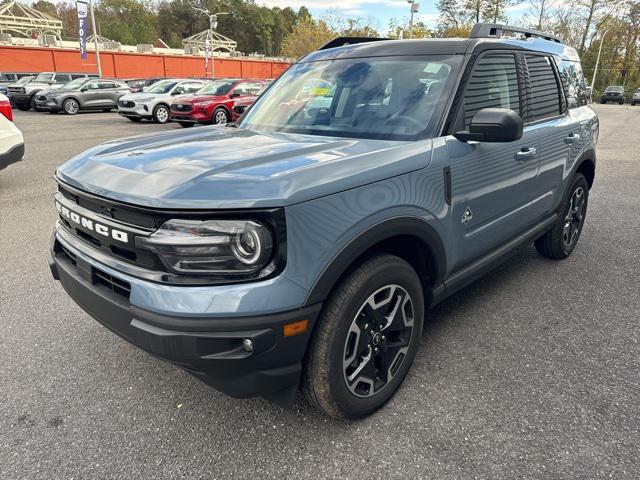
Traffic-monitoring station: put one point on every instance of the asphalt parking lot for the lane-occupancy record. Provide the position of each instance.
(532, 372)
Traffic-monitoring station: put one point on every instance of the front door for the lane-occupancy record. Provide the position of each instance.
(494, 194)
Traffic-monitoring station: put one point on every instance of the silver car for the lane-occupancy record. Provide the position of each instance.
(636, 97)
(83, 94)
(153, 103)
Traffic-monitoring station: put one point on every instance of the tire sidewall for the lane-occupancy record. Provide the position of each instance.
(349, 404)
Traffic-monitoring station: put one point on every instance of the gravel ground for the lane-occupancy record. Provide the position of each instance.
(532, 372)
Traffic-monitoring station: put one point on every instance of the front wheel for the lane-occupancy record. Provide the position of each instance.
(220, 116)
(161, 114)
(366, 339)
(23, 107)
(559, 242)
(70, 106)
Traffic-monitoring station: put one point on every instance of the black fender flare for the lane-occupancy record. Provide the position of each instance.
(587, 156)
(398, 226)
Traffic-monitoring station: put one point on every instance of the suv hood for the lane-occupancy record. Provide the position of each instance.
(223, 167)
(193, 98)
(141, 95)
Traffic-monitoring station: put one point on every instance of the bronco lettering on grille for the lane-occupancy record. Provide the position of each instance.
(92, 225)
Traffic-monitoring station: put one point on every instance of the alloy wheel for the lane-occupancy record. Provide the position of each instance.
(574, 218)
(378, 340)
(71, 107)
(221, 118)
(162, 114)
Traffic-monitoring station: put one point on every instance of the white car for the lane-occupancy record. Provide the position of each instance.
(11, 140)
(636, 97)
(153, 103)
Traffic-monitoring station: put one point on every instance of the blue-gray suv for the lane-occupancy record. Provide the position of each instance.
(301, 247)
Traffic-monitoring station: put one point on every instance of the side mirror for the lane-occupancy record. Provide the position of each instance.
(234, 95)
(493, 125)
(83, 89)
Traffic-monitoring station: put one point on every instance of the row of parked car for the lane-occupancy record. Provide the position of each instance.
(186, 101)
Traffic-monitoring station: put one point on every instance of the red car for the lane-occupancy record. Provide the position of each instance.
(214, 102)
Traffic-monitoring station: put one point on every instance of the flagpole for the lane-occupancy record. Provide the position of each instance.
(95, 39)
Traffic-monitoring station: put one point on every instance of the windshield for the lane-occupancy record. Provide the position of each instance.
(219, 87)
(615, 89)
(44, 77)
(24, 80)
(390, 98)
(164, 86)
(75, 84)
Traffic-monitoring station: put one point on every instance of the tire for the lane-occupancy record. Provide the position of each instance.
(135, 119)
(70, 106)
(161, 114)
(620, 103)
(220, 116)
(34, 107)
(558, 243)
(23, 107)
(186, 124)
(327, 367)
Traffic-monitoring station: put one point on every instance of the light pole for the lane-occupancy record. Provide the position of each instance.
(213, 24)
(414, 9)
(595, 70)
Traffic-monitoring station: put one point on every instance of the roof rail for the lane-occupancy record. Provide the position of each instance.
(342, 41)
(496, 30)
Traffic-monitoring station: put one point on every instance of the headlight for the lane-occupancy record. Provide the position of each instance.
(203, 104)
(213, 247)
(144, 100)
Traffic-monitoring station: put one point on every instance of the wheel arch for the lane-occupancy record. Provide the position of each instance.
(223, 107)
(586, 165)
(410, 238)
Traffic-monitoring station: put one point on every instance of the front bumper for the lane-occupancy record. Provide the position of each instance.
(138, 111)
(21, 99)
(208, 348)
(193, 116)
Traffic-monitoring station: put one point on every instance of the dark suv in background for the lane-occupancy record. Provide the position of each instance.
(613, 93)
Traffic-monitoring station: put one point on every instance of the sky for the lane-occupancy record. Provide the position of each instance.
(381, 10)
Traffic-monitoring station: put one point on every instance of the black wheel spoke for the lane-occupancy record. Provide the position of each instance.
(378, 338)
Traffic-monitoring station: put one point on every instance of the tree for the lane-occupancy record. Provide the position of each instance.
(494, 10)
(308, 35)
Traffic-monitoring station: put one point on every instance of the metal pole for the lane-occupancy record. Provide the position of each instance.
(411, 19)
(595, 70)
(95, 39)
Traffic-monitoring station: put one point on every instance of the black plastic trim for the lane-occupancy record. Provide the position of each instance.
(406, 226)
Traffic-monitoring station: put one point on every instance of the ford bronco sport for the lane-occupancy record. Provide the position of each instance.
(302, 246)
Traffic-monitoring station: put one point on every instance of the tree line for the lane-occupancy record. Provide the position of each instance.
(584, 24)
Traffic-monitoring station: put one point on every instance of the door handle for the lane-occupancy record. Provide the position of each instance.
(526, 153)
(574, 137)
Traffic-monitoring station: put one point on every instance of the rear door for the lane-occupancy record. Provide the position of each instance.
(110, 91)
(90, 97)
(558, 130)
(493, 185)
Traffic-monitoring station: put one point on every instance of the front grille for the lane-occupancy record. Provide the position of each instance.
(16, 89)
(117, 287)
(180, 107)
(126, 103)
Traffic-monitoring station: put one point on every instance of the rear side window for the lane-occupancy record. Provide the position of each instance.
(574, 83)
(545, 94)
(64, 78)
(493, 83)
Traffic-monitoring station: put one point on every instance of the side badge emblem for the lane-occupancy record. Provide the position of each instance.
(467, 216)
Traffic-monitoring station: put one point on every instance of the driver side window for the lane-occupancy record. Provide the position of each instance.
(493, 83)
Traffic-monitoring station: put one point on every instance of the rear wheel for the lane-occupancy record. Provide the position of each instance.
(559, 242)
(71, 106)
(366, 339)
(161, 114)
